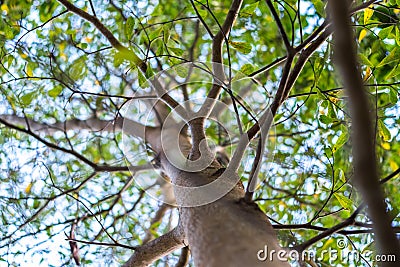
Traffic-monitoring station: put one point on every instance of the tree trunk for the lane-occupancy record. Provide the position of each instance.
(225, 232)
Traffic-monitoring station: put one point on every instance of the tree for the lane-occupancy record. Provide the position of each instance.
(201, 133)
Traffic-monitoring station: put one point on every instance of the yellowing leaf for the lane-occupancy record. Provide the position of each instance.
(384, 131)
(28, 188)
(367, 74)
(393, 165)
(363, 33)
(4, 7)
(29, 71)
(11, 102)
(385, 146)
(62, 46)
(327, 244)
(368, 12)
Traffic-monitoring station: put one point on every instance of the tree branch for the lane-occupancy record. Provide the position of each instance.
(95, 21)
(106, 32)
(288, 46)
(197, 125)
(183, 258)
(330, 231)
(365, 169)
(91, 124)
(202, 20)
(50, 145)
(218, 41)
(157, 218)
(157, 248)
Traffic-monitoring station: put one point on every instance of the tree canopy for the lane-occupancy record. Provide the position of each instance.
(72, 176)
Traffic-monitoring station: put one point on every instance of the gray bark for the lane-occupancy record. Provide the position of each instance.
(227, 232)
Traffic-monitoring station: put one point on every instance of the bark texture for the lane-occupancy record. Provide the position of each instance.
(227, 232)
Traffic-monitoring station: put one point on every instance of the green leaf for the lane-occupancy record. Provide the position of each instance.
(8, 32)
(384, 33)
(84, 45)
(46, 11)
(343, 138)
(36, 204)
(247, 69)
(56, 91)
(365, 61)
(322, 96)
(155, 33)
(393, 56)
(202, 12)
(160, 49)
(397, 36)
(126, 54)
(129, 27)
(166, 33)
(149, 73)
(393, 73)
(242, 47)
(176, 51)
(384, 131)
(141, 78)
(319, 65)
(345, 202)
(78, 69)
(181, 70)
(27, 98)
(339, 175)
(118, 59)
(244, 71)
(393, 94)
(331, 110)
(10, 60)
(248, 10)
(325, 119)
(319, 7)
